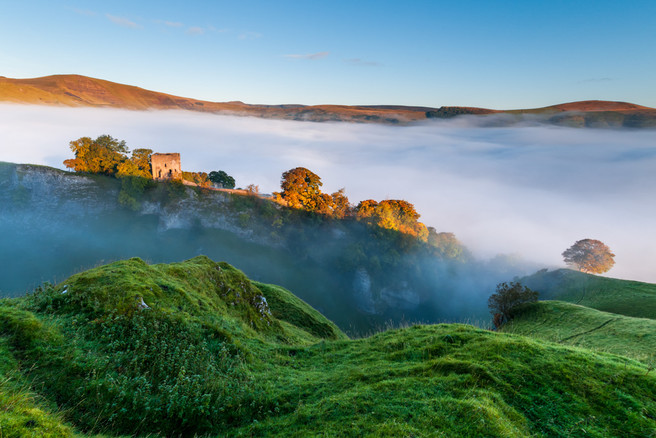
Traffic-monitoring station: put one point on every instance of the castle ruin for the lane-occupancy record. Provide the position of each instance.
(166, 166)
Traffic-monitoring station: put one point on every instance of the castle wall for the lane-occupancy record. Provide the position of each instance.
(166, 166)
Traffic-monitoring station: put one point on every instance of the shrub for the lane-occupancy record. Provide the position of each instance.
(503, 303)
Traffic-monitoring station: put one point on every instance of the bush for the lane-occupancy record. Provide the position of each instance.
(508, 296)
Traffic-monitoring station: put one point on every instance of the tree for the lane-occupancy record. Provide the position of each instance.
(301, 188)
(393, 214)
(589, 256)
(222, 178)
(505, 300)
(102, 155)
(341, 206)
(138, 165)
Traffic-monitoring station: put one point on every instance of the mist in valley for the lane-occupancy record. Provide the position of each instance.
(527, 192)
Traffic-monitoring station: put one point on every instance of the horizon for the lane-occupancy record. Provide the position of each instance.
(418, 54)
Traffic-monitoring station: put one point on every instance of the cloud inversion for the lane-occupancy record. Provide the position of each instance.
(532, 190)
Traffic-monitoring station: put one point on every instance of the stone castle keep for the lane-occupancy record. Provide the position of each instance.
(166, 166)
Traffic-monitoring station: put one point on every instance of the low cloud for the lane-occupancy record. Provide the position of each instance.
(173, 23)
(592, 80)
(122, 21)
(310, 56)
(362, 62)
(249, 35)
(85, 12)
(195, 30)
(530, 190)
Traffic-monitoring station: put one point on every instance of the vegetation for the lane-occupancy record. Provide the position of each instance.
(223, 179)
(504, 302)
(199, 178)
(196, 348)
(108, 156)
(623, 297)
(589, 256)
(571, 324)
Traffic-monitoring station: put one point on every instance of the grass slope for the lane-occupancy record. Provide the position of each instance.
(571, 324)
(630, 298)
(216, 354)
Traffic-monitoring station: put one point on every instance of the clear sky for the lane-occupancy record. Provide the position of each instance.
(487, 53)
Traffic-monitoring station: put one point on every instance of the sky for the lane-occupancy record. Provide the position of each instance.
(487, 53)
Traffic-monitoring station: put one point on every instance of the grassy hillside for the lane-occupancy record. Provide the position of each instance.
(630, 298)
(197, 348)
(571, 324)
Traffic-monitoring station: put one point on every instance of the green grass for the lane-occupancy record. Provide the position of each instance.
(209, 358)
(571, 324)
(629, 298)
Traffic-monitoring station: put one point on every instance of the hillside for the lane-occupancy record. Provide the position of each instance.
(76, 90)
(194, 348)
(571, 324)
(359, 276)
(623, 297)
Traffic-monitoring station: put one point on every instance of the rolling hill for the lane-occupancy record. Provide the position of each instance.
(197, 349)
(623, 297)
(77, 90)
(572, 324)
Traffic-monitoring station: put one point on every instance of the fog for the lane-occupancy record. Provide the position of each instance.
(531, 190)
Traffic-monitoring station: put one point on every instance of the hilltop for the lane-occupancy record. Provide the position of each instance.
(197, 348)
(82, 91)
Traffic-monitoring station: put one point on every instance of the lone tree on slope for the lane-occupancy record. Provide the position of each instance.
(505, 300)
(589, 256)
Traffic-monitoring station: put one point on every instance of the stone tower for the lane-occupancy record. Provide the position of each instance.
(166, 166)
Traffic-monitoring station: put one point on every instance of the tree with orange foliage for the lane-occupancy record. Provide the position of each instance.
(301, 188)
(590, 256)
(102, 155)
(392, 214)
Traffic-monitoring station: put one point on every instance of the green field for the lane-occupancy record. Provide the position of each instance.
(196, 348)
(630, 298)
(571, 324)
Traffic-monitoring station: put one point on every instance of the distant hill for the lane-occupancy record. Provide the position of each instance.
(572, 324)
(197, 349)
(630, 298)
(77, 90)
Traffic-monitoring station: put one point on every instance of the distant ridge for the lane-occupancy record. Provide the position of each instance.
(83, 91)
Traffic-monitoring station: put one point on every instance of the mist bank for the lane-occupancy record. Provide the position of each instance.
(56, 223)
(529, 190)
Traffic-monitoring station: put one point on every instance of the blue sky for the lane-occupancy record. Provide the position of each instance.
(497, 54)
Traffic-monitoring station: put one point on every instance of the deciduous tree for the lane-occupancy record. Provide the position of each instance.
(222, 178)
(505, 300)
(301, 188)
(590, 256)
(102, 155)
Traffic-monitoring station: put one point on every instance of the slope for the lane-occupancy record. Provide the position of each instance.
(571, 324)
(193, 348)
(624, 297)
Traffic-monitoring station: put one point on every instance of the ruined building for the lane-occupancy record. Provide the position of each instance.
(166, 166)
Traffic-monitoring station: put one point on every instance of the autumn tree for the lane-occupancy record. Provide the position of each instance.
(340, 204)
(138, 165)
(222, 178)
(301, 189)
(508, 296)
(102, 155)
(392, 214)
(590, 256)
